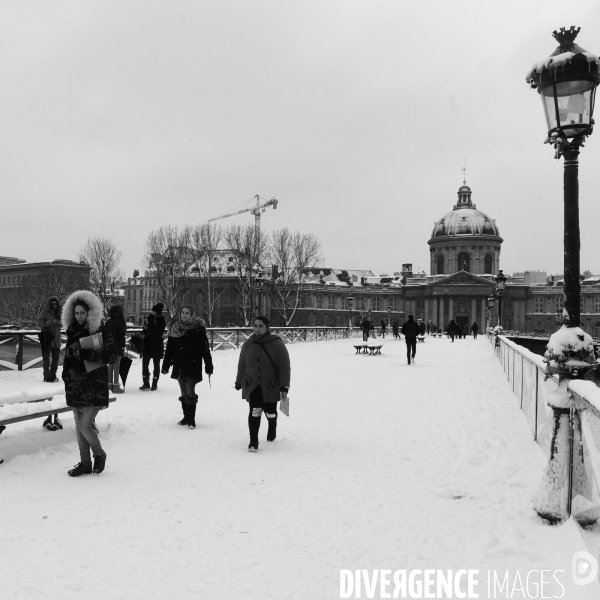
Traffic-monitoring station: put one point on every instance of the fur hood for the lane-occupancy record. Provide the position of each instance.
(48, 307)
(95, 315)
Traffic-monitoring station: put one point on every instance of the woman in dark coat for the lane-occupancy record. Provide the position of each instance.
(187, 347)
(116, 327)
(264, 377)
(154, 347)
(86, 383)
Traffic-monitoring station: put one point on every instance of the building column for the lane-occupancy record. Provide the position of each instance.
(473, 310)
(434, 317)
(451, 308)
(427, 316)
(442, 323)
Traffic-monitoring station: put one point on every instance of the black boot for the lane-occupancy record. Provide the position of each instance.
(154, 383)
(272, 433)
(146, 385)
(254, 427)
(191, 411)
(48, 423)
(81, 469)
(99, 463)
(183, 421)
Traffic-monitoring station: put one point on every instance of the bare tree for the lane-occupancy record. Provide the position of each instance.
(168, 258)
(206, 240)
(291, 254)
(103, 257)
(247, 250)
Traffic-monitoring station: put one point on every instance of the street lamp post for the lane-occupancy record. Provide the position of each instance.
(389, 315)
(260, 282)
(491, 301)
(350, 301)
(566, 82)
(500, 286)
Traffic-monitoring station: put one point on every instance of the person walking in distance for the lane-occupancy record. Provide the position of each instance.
(396, 328)
(383, 329)
(410, 330)
(85, 373)
(452, 329)
(154, 347)
(50, 337)
(474, 330)
(117, 329)
(263, 375)
(187, 347)
(365, 326)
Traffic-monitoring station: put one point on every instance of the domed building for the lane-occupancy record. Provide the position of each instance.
(465, 239)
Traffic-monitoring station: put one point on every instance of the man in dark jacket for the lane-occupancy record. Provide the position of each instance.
(410, 329)
(154, 347)
(474, 329)
(452, 329)
(50, 337)
(366, 327)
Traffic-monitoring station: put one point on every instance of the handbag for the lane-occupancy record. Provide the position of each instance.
(137, 343)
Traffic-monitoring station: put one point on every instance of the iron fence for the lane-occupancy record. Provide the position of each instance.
(526, 373)
(22, 346)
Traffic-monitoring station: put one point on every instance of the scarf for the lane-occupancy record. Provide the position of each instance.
(179, 328)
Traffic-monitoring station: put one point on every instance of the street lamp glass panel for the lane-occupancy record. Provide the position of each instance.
(491, 302)
(574, 100)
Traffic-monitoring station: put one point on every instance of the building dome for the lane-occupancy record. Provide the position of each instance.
(465, 219)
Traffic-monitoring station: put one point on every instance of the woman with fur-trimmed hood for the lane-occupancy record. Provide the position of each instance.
(187, 348)
(86, 383)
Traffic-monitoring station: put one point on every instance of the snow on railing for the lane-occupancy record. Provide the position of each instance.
(220, 338)
(526, 373)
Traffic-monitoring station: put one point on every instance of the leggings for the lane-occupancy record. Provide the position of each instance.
(257, 406)
(87, 438)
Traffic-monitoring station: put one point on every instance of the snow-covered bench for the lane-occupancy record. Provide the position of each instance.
(29, 404)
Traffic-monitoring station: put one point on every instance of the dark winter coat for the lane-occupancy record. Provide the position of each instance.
(452, 327)
(82, 388)
(51, 332)
(255, 369)
(186, 354)
(410, 329)
(154, 346)
(366, 325)
(474, 328)
(117, 329)
(422, 329)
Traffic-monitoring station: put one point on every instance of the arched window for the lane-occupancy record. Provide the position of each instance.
(488, 266)
(464, 262)
(440, 265)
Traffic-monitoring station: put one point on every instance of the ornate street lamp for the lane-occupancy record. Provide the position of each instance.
(260, 283)
(567, 82)
(491, 301)
(389, 315)
(350, 301)
(500, 280)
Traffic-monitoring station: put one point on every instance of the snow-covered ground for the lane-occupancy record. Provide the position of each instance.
(379, 466)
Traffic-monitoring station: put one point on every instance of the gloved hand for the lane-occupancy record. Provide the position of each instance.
(164, 372)
(209, 371)
(237, 386)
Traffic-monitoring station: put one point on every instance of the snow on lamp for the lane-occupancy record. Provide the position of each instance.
(567, 82)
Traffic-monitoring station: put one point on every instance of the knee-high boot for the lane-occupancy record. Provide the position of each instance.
(271, 414)
(190, 406)
(254, 425)
(183, 421)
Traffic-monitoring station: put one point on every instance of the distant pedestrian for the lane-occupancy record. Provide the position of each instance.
(187, 348)
(85, 373)
(474, 329)
(410, 329)
(50, 338)
(366, 328)
(396, 328)
(452, 329)
(263, 375)
(117, 329)
(383, 329)
(459, 331)
(154, 346)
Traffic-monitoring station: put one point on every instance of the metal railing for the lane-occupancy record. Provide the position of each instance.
(27, 352)
(526, 373)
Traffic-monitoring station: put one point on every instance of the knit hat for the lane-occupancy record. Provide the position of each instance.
(158, 308)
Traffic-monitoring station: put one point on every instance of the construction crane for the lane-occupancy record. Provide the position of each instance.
(256, 210)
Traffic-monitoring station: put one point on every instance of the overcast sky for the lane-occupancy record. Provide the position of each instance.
(118, 117)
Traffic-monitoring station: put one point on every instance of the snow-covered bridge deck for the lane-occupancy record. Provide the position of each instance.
(380, 466)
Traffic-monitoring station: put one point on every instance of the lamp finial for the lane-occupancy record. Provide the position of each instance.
(566, 38)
